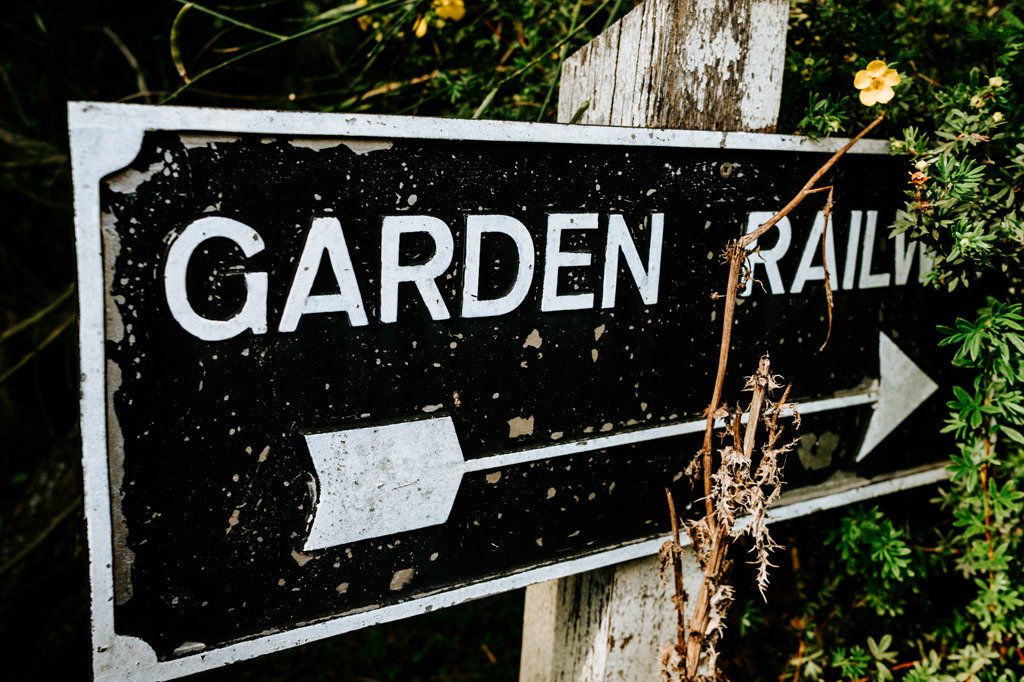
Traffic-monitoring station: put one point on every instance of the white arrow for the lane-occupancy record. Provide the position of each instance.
(903, 386)
(380, 480)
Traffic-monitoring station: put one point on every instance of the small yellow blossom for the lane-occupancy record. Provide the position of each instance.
(875, 83)
(450, 9)
(995, 82)
(363, 20)
(977, 102)
(420, 27)
(997, 117)
(439, 11)
(921, 165)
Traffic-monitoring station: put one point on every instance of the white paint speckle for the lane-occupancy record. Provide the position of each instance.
(233, 520)
(301, 559)
(520, 426)
(402, 578)
(189, 648)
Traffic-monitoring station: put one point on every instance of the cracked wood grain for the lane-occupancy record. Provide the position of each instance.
(697, 64)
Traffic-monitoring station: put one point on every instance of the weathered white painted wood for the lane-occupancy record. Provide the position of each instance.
(699, 64)
(608, 624)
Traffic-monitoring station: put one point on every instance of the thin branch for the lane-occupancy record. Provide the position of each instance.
(140, 78)
(518, 72)
(561, 60)
(719, 530)
(38, 315)
(231, 20)
(306, 32)
(41, 536)
(677, 572)
(736, 253)
(826, 214)
(751, 237)
(50, 338)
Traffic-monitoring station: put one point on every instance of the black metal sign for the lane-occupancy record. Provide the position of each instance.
(339, 370)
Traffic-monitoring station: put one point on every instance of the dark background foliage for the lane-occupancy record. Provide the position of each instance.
(499, 61)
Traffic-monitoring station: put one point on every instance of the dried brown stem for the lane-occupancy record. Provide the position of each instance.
(702, 608)
(719, 532)
(808, 188)
(677, 572)
(736, 253)
(760, 387)
(760, 383)
(826, 214)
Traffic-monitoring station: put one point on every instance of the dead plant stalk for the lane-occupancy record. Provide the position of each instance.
(712, 535)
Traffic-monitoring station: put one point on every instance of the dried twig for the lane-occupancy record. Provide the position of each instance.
(737, 488)
(677, 569)
(140, 78)
(826, 214)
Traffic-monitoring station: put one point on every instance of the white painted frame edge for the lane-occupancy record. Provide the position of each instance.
(106, 137)
(141, 117)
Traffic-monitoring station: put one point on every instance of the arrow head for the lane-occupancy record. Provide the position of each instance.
(381, 480)
(902, 388)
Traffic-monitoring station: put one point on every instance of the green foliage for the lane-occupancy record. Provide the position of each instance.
(825, 116)
(493, 59)
(886, 599)
(964, 201)
(986, 472)
(933, 44)
(866, 537)
(850, 664)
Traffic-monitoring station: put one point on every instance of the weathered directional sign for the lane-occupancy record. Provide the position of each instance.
(338, 369)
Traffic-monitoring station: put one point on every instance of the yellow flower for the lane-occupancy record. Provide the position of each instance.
(995, 82)
(875, 83)
(997, 117)
(420, 27)
(363, 20)
(450, 9)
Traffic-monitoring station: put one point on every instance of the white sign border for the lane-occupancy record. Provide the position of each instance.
(106, 138)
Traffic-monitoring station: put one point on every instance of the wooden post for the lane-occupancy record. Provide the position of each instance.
(694, 64)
